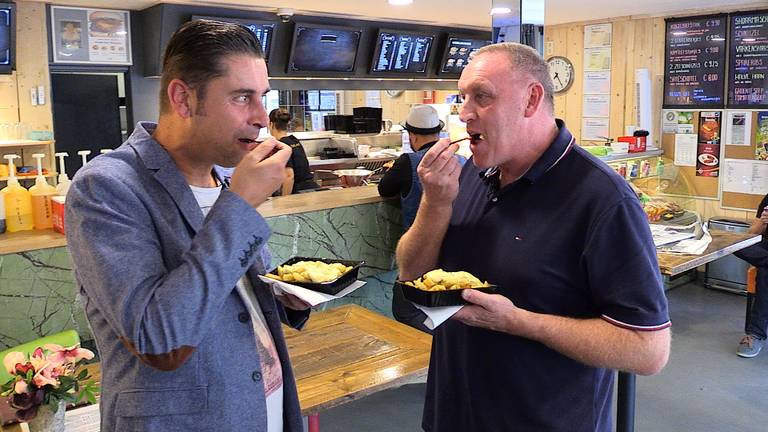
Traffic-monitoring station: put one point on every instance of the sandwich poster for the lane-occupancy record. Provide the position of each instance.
(761, 136)
(93, 36)
(708, 149)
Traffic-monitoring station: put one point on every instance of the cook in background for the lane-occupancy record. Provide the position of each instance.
(297, 174)
(423, 125)
(541, 218)
(167, 258)
(757, 255)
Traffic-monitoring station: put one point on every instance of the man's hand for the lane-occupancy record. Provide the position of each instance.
(439, 173)
(292, 302)
(764, 216)
(261, 172)
(491, 311)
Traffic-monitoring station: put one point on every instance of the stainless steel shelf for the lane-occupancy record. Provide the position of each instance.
(631, 156)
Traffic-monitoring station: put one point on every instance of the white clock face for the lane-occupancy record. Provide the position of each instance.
(561, 72)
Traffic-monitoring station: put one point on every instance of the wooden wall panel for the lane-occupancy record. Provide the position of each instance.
(32, 64)
(635, 45)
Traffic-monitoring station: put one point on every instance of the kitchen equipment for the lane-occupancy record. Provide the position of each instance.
(728, 273)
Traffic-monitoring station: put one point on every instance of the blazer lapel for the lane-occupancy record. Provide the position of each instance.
(157, 159)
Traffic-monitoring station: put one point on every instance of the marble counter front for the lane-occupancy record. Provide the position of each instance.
(38, 295)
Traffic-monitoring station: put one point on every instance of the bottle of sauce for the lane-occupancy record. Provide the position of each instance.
(17, 200)
(42, 192)
(63, 181)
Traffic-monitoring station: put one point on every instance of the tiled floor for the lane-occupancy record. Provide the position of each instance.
(704, 388)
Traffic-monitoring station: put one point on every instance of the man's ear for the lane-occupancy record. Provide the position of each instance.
(535, 98)
(179, 97)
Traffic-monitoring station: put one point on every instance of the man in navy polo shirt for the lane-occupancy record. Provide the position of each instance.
(568, 244)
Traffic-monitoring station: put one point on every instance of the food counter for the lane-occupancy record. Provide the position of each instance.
(38, 293)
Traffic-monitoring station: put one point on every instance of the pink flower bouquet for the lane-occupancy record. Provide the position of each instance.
(47, 377)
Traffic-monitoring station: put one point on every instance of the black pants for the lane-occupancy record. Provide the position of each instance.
(405, 312)
(757, 255)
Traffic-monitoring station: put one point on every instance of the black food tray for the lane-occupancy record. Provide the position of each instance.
(332, 287)
(438, 298)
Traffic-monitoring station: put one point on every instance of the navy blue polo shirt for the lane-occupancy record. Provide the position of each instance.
(568, 238)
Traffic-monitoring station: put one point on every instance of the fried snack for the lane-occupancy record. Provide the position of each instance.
(309, 272)
(441, 280)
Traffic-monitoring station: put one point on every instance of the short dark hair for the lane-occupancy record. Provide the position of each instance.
(281, 118)
(196, 50)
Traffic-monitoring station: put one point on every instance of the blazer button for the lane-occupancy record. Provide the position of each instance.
(243, 317)
(256, 376)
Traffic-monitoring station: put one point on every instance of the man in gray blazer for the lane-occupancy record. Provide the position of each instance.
(166, 256)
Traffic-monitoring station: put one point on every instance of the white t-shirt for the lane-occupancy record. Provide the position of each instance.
(271, 369)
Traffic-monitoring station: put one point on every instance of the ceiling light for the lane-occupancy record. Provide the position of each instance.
(400, 2)
(500, 10)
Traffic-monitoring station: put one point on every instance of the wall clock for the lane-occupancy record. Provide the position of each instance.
(561, 71)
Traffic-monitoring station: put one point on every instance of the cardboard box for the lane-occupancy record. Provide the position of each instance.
(57, 207)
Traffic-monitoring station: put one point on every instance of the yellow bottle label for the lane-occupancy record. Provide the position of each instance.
(42, 213)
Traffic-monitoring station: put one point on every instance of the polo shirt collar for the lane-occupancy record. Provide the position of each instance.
(556, 151)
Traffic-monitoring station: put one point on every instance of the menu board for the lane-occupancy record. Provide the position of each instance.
(7, 37)
(458, 52)
(263, 31)
(402, 52)
(748, 77)
(694, 72)
(324, 49)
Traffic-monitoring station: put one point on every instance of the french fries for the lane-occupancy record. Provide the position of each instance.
(441, 280)
(309, 272)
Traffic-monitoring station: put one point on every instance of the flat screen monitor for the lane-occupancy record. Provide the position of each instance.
(458, 52)
(402, 52)
(7, 38)
(748, 54)
(318, 48)
(694, 65)
(262, 30)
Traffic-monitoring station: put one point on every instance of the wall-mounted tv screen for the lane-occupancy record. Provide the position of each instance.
(319, 48)
(7, 38)
(263, 30)
(400, 51)
(458, 52)
(748, 71)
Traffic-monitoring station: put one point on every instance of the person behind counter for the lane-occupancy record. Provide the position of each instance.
(541, 218)
(297, 174)
(167, 258)
(423, 125)
(753, 340)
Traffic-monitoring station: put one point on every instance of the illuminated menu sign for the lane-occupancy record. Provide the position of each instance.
(398, 52)
(458, 53)
(748, 77)
(694, 74)
(261, 30)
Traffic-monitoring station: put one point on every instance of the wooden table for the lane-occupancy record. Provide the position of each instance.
(344, 354)
(723, 243)
(671, 264)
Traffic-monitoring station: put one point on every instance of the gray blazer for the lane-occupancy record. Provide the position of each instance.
(177, 348)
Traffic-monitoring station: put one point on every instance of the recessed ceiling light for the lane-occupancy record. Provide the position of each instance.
(400, 2)
(500, 10)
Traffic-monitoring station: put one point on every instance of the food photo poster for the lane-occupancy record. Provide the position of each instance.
(93, 36)
(708, 149)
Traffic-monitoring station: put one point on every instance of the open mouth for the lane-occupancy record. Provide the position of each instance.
(476, 137)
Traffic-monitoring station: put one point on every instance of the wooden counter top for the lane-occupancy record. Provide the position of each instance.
(322, 200)
(723, 243)
(25, 241)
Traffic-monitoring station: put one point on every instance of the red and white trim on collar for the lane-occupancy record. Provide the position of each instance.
(565, 152)
(636, 327)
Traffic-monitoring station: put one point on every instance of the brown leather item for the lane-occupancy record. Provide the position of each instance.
(165, 362)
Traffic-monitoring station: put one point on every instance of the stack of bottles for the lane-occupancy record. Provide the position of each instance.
(41, 207)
